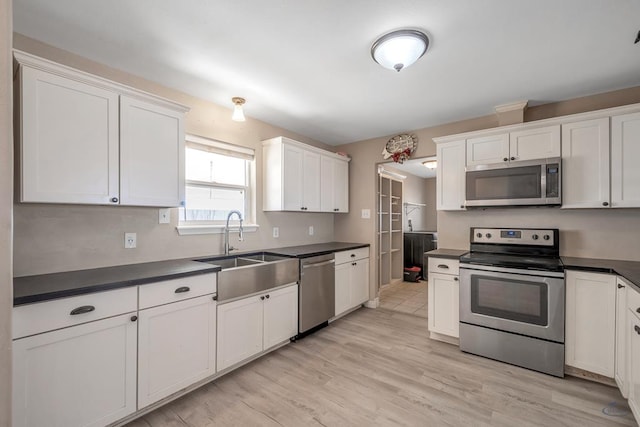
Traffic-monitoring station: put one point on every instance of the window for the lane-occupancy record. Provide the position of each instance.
(218, 178)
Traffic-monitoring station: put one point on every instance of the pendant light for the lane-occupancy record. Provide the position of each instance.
(399, 49)
(238, 114)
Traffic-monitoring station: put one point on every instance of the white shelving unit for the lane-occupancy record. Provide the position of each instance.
(389, 230)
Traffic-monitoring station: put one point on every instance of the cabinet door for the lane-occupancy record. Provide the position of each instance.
(311, 181)
(280, 316)
(530, 144)
(151, 154)
(443, 304)
(84, 375)
(633, 341)
(327, 184)
(341, 186)
(176, 347)
(486, 150)
(585, 164)
(591, 321)
(68, 140)
(359, 278)
(292, 178)
(240, 330)
(621, 337)
(625, 156)
(343, 288)
(450, 176)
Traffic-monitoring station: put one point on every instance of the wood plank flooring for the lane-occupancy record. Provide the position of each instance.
(378, 368)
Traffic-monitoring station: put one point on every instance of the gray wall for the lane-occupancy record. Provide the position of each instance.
(52, 238)
(6, 203)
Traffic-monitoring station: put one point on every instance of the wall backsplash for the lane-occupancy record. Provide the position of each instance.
(589, 233)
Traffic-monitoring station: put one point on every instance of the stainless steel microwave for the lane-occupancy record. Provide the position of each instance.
(525, 183)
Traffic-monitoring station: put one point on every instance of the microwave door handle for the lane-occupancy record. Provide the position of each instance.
(543, 181)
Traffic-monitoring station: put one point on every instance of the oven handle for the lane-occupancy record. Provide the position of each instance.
(522, 271)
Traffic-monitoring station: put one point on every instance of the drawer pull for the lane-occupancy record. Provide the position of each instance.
(638, 310)
(182, 289)
(82, 310)
(637, 329)
(134, 318)
(267, 297)
(353, 255)
(620, 286)
(262, 297)
(215, 298)
(455, 279)
(445, 266)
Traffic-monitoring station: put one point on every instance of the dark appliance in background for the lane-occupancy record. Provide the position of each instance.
(512, 298)
(416, 243)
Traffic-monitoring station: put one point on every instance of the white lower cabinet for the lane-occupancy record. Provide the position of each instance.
(590, 321)
(351, 279)
(176, 347)
(633, 350)
(83, 375)
(620, 374)
(443, 304)
(250, 325)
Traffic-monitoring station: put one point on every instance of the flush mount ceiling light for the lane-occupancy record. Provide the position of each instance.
(399, 49)
(238, 114)
(430, 164)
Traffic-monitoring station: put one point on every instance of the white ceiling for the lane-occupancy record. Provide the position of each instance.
(305, 65)
(414, 167)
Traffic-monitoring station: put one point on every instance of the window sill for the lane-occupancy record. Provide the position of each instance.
(189, 230)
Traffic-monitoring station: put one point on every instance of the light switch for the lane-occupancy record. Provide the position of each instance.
(276, 232)
(164, 216)
(311, 230)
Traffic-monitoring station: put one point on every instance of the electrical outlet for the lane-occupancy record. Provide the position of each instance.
(366, 213)
(164, 216)
(311, 230)
(130, 240)
(276, 232)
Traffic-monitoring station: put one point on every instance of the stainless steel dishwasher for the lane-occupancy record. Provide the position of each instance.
(317, 292)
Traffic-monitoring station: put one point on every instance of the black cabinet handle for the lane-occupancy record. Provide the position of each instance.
(262, 298)
(445, 266)
(513, 158)
(461, 206)
(353, 255)
(637, 329)
(134, 318)
(638, 310)
(354, 263)
(505, 159)
(620, 286)
(215, 298)
(605, 203)
(82, 310)
(182, 289)
(455, 279)
(267, 297)
(114, 200)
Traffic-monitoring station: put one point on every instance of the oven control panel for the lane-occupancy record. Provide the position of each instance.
(517, 236)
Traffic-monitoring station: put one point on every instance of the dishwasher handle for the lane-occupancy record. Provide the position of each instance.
(319, 264)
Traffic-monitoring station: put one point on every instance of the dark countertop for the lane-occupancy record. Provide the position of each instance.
(630, 270)
(42, 287)
(305, 251)
(446, 253)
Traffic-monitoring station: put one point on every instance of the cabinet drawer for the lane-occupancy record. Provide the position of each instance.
(444, 265)
(352, 255)
(46, 316)
(633, 300)
(167, 291)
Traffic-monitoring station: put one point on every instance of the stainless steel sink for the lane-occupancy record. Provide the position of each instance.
(248, 274)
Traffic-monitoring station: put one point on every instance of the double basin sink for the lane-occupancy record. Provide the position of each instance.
(252, 273)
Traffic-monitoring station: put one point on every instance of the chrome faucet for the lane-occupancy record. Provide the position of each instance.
(227, 248)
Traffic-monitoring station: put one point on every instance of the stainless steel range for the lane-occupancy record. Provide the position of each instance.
(512, 298)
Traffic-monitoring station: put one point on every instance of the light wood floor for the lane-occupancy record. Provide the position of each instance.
(378, 368)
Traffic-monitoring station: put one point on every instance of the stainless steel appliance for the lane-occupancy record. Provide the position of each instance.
(317, 292)
(525, 183)
(512, 298)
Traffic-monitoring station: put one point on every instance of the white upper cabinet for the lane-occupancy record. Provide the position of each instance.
(585, 164)
(298, 177)
(87, 140)
(334, 185)
(68, 140)
(537, 143)
(151, 154)
(625, 156)
(486, 150)
(450, 178)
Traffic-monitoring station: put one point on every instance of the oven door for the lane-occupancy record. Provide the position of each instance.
(524, 302)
